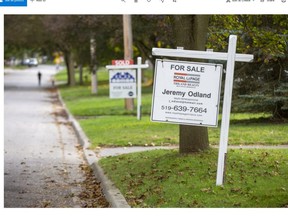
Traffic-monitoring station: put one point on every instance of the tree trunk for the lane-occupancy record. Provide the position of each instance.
(67, 66)
(81, 74)
(94, 87)
(191, 33)
(70, 67)
(128, 51)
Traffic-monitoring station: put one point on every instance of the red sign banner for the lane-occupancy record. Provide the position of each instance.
(122, 62)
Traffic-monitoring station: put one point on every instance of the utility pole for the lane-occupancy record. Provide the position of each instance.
(128, 51)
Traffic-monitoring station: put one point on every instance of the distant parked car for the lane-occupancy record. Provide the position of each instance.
(33, 62)
(25, 61)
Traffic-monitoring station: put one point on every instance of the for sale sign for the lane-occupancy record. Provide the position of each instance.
(122, 83)
(186, 93)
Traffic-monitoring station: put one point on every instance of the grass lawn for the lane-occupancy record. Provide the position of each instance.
(163, 178)
(107, 123)
(127, 130)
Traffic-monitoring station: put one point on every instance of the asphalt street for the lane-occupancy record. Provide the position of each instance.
(43, 165)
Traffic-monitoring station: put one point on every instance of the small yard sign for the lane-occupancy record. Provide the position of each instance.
(122, 83)
(123, 80)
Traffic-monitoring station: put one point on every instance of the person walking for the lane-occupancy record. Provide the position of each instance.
(39, 78)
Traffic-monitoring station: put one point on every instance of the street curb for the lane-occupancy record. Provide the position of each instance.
(111, 192)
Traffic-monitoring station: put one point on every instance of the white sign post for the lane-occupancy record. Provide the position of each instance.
(226, 110)
(186, 93)
(230, 57)
(139, 66)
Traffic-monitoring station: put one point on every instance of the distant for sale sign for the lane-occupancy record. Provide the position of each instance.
(122, 83)
(186, 93)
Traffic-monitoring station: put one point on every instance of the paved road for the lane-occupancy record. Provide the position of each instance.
(42, 166)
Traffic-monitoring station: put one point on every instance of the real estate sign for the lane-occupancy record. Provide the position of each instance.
(186, 93)
(122, 83)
